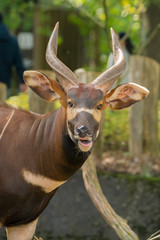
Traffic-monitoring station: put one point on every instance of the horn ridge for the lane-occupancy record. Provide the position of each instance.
(106, 80)
(65, 76)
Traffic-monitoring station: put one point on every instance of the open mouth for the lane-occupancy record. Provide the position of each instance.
(84, 144)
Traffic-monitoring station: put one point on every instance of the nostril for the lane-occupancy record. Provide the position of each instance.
(83, 131)
(89, 133)
(77, 131)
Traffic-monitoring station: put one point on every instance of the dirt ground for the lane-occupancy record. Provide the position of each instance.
(120, 162)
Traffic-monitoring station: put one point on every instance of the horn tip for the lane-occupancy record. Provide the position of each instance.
(112, 32)
(115, 40)
(111, 29)
(57, 25)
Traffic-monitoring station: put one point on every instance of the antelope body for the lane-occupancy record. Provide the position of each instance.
(38, 153)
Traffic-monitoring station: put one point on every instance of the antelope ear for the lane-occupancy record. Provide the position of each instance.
(125, 95)
(43, 86)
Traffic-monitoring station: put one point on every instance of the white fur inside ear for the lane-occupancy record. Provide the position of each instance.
(145, 90)
(128, 90)
(41, 85)
(125, 95)
(34, 79)
(31, 82)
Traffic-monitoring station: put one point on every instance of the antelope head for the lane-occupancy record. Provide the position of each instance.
(84, 103)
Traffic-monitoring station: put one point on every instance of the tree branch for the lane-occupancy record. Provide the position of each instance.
(154, 236)
(149, 39)
(86, 13)
(94, 190)
(106, 23)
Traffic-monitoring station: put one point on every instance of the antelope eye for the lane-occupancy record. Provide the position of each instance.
(99, 106)
(70, 104)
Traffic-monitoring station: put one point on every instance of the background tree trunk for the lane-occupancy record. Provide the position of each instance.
(3, 91)
(151, 80)
(71, 49)
(136, 131)
(40, 39)
(144, 115)
(149, 20)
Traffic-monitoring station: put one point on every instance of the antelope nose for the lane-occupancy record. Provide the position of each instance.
(83, 131)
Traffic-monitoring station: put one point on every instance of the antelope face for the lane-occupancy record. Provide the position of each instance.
(84, 110)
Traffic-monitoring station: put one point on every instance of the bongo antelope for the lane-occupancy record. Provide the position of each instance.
(38, 153)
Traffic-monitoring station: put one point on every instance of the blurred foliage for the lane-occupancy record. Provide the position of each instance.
(17, 13)
(20, 101)
(123, 15)
(116, 129)
(149, 2)
(120, 13)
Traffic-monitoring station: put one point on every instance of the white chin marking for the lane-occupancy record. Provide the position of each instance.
(84, 147)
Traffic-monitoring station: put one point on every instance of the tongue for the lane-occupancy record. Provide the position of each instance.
(85, 143)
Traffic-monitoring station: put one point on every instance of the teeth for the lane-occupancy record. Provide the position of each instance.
(85, 144)
(85, 141)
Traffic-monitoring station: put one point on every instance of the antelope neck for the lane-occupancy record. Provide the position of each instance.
(67, 158)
